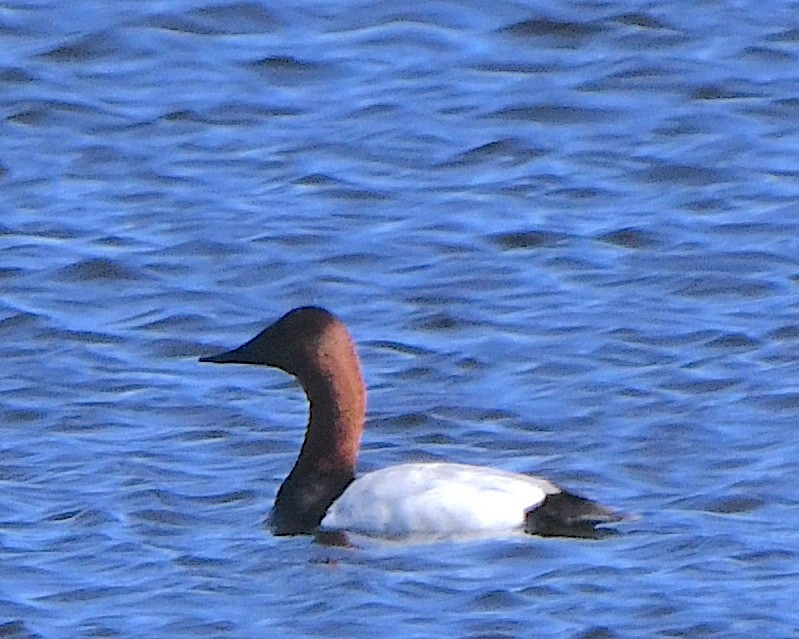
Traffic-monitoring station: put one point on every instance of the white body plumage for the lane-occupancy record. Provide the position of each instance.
(436, 499)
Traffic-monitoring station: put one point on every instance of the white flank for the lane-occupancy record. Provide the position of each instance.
(436, 499)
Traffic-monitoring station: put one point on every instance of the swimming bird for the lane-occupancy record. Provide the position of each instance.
(322, 493)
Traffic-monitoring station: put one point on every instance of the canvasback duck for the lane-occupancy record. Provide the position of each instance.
(322, 494)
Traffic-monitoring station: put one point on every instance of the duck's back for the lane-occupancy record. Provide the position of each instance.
(436, 499)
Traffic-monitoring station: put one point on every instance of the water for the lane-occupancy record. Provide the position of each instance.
(563, 235)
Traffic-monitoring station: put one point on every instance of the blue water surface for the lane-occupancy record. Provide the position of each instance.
(563, 234)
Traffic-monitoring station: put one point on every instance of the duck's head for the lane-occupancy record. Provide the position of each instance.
(303, 342)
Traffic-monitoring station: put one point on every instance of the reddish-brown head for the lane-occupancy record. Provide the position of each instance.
(314, 346)
(290, 344)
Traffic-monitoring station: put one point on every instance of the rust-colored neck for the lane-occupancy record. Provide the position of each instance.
(330, 374)
(337, 410)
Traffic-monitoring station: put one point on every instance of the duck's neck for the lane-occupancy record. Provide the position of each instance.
(326, 464)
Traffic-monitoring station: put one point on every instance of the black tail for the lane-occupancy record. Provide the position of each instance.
(567, 515)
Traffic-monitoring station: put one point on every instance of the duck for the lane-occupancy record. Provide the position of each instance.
(322, 493)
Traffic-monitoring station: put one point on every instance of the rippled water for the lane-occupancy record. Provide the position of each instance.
(565, 238)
